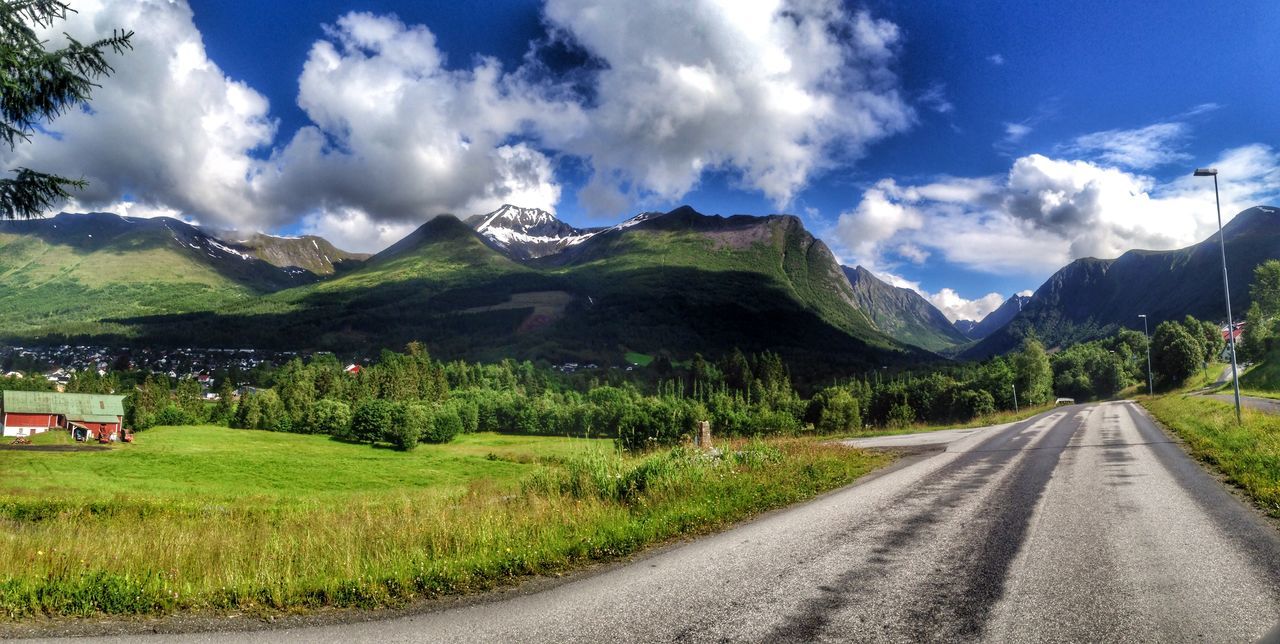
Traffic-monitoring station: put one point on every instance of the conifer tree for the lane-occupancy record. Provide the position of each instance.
(38, 85)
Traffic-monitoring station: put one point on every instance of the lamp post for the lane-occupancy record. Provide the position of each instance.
(1226, 287)
(1015, 398)
(1151, 389)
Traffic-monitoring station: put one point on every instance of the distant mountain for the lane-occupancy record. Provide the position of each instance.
(902, 313)
(527, 233)
(677, 282)
(60, 274)
(309, 252)
(1090, 298)
(995, 320)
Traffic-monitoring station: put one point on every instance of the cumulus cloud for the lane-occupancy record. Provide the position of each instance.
(956, 307)
(995, 59)
(168, 133)
(356, 230)
(1140, 149)
(399, 137)
(763, 89)
(770, 92)
(1046, 212)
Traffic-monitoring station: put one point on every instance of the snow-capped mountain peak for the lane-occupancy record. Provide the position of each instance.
(516, 218)
(528, 233)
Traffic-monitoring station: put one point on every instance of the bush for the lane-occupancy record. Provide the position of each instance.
(172, 414)
(371, 418)
(445, 424)
(972, 404)
(328, 416)
(412, 421)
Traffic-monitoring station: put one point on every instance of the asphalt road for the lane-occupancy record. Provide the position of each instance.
(1082, 524)
(1267, 405)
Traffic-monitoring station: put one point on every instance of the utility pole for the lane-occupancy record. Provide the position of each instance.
(1151, 389)
(1226, 287)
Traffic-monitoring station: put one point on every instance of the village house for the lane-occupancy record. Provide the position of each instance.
(87, 416)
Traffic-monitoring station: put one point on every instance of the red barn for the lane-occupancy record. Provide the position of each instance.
(90, 415)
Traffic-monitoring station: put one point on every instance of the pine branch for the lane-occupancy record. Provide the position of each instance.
(32, 193)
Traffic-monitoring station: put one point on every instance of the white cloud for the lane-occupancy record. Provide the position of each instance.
(1026, 293)
(168, 132)
(935, 98)
(1046, 212)
(956, 307)
(995, 59)
(766, 90)
(1015, 132)
(355, 231)
(953, 305)
(1139, 149)
(400, 137)
(771, 92)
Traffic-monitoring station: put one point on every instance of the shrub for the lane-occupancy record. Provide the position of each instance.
(972, 404)
(411, 421)
(371, 418)
(172, 414)
(445, 424)
(328, 416)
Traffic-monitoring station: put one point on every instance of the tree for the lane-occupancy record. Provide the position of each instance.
(1253, 344)
(371, 419)
(1265, 290)
(1032, 373)
(328, 416)
(40, 85)
(1175, 355)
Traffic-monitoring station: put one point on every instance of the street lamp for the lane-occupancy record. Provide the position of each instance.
(1151, 389)
(1226, 287)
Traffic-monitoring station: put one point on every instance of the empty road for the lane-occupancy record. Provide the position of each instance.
(1082, 524)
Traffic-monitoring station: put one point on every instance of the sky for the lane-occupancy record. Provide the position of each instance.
(966, 150)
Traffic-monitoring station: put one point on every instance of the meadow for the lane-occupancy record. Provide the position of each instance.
(216, 519)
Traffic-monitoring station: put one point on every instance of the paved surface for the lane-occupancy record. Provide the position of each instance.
(926, 439)
(1081, 524)
(1267, 405)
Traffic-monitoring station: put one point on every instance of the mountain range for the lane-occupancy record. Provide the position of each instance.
(518, 282)
(995, 320)
(1090, 297)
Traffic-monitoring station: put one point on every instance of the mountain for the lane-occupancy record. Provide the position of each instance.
(677, 282)
(308, 253)
(66, 273)
(1090, 297)
(527, 233)
(995, 320)
(902, 313)
(965, 327)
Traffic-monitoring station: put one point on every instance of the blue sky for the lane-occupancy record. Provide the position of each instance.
(963, 149)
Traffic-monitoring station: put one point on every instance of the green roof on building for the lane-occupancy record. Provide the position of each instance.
(93, 408)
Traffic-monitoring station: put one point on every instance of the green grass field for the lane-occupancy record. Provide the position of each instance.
(208, 518)
(219, 463)
(1247, 454)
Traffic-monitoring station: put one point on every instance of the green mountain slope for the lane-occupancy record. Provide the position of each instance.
(1090, 298)
(679, 282)
(902, 313)
(65, 274)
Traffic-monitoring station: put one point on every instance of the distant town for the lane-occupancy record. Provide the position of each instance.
(57, 363)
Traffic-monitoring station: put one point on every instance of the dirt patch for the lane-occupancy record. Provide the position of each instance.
(548, 306)
(55, 448)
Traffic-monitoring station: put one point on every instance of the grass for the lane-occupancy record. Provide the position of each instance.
(216, 463)
(1247, 454)
(202, 518)
(1265, 375)
(641, 359)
